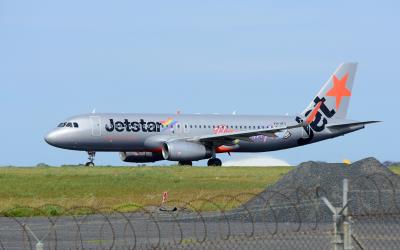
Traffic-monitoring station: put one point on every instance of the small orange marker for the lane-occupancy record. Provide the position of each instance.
(164, 198)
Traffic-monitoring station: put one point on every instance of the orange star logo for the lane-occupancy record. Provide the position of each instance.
(339, 89)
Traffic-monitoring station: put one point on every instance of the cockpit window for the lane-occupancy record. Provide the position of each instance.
(68, 124)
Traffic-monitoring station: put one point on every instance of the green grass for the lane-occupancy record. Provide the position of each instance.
(125, 187)
(395, 169)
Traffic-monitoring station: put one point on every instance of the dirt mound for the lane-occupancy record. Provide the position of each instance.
(328, 177)
(297, 195)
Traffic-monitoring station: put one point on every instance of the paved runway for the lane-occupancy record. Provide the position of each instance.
(160, 230)
(184, 230)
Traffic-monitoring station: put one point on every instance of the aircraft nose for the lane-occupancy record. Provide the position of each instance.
(50, 138)
(61, 138)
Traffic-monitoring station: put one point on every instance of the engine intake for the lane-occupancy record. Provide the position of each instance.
(185, 151)
(139, 157)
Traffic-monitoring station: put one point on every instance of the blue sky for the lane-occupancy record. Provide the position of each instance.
(61, 58)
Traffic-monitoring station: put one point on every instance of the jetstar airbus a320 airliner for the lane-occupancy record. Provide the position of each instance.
(187, 138)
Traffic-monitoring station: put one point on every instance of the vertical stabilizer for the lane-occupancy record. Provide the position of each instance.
(334, 96)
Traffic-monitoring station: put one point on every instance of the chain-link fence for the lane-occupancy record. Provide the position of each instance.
(293, 218)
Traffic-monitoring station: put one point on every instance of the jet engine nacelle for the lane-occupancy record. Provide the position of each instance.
(139, 157)
(185, 151)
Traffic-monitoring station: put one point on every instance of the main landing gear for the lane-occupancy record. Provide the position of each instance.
(185, 163)
(90, 163)
(214, 162)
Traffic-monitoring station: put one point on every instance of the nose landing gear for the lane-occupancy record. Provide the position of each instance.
(90, 163)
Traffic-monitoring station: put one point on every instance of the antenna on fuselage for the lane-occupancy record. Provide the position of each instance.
(234, 112)
(94, 111)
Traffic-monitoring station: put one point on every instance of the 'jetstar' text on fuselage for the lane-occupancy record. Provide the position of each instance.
(136, 126)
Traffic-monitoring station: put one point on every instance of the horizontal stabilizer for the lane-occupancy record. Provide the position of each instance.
(347, 125)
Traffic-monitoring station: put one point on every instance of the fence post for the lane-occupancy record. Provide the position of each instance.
(39, 246)
(338, 242)
(341, 221)
(346, 217)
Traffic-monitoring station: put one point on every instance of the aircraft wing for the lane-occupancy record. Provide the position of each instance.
(244, 135)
